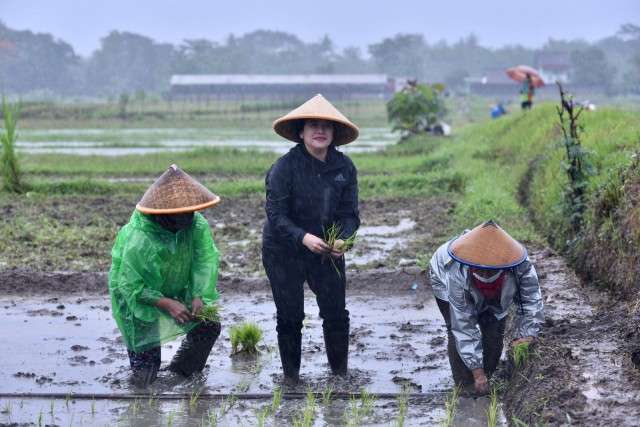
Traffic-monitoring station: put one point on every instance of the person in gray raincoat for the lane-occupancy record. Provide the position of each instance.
(475, 278)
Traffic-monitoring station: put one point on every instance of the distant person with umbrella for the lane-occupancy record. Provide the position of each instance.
(530, 80)
(527, 91)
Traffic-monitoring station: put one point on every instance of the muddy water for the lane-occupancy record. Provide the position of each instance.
(69, 345)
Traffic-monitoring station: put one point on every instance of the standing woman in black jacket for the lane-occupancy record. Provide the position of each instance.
(309, 189)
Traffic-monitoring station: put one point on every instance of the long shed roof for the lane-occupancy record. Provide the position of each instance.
(276, 79)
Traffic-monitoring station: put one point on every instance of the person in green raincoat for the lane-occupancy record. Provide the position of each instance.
(164, 271)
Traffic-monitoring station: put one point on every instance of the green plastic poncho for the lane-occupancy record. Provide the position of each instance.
(148, 263)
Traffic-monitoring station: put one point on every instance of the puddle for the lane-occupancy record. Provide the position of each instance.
(376, 242)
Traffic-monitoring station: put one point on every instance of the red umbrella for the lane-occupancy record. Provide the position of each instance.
(520, 72)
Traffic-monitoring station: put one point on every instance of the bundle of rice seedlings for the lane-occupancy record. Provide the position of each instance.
(209, 313)
(247, 335)
(331, 235)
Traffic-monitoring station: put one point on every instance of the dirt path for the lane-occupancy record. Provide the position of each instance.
(581, 374)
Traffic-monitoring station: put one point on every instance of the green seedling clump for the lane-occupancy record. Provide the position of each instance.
(247, 335)
(520, 354)
(209, 313)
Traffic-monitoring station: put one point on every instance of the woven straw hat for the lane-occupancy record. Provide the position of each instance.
(289, 125)
(176, 192)
(489, 247)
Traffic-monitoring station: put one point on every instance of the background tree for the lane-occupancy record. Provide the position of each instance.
(416, 108)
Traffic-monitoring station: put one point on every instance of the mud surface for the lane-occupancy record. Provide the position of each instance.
(73, 233)
(580, 373)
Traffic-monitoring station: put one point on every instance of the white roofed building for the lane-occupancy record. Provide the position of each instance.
(280, 86)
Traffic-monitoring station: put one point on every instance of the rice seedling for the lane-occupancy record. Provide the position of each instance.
(492, 410)
(93, 407)
(66, 401)
(327, 395)
(247, 335)
(353, 415)
(153, 400)
(8, 160)
(261, 415)
(367, 401)
(520, 354)
(210, 313)
(306, 418)
(193, 400)
(277, 400)
(403, 403)
(135, 407)
(52, 408)
(170, 418)
(212, 418)
(40, 417)
(450, 407)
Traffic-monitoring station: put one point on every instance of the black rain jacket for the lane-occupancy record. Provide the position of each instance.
(306, 195)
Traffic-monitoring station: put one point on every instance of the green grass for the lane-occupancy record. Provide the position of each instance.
(11, 174)
(245, 337)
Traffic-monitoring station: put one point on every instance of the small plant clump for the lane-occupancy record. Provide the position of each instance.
(247, 335)
(277, 399)
(451, 405)
(209, 313)
(403, 403)
(492, 410)
(520, 354)
(306, 418)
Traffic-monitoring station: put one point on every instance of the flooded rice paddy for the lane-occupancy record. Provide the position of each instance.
(64, 364)
(118, 142)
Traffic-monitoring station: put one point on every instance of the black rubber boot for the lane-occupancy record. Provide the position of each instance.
(144, 367)
(192, 355)
(337, 346)
(145, 376)
(290, 354)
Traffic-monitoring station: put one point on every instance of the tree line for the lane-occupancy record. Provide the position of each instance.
(40, 64)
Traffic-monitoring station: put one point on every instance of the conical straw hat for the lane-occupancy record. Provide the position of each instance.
(487, 246)
(290, 125)
(176, 192)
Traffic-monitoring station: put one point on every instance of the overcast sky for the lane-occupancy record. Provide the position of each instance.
(348, 22)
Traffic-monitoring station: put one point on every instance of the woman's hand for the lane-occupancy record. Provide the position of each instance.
(315, 244)
(176, 309)
(337, 251)
(196, 306)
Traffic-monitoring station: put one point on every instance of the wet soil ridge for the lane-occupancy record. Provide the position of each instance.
(578, 375)
(29, 282)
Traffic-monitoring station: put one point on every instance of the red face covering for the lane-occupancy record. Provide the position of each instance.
(489, 290)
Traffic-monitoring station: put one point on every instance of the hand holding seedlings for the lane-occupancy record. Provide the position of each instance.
(196, 306)
(480, 381)
(337, 249)
(315, 244)
(209, 313)
(175, 309)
